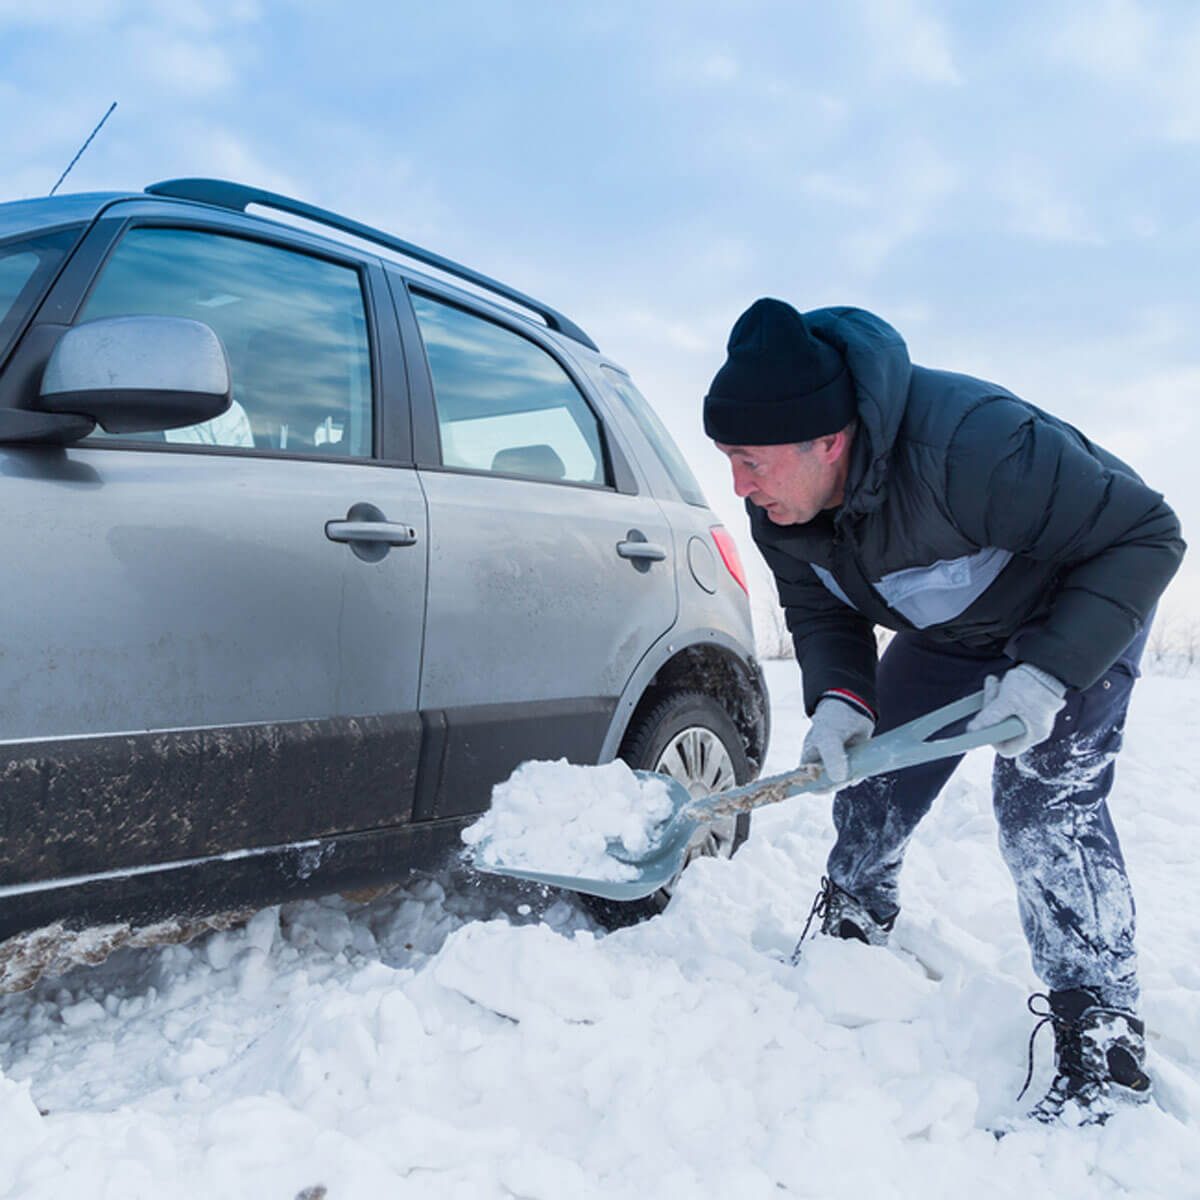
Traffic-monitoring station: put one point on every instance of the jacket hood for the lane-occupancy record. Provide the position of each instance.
(881, 370)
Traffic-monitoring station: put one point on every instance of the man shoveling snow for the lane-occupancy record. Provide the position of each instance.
(1006, 551)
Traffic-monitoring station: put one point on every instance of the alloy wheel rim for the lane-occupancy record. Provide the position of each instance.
(697, 758)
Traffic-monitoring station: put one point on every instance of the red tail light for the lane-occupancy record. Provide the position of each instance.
(727, 548)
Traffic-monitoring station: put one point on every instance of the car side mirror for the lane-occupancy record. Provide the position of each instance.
(136, 374)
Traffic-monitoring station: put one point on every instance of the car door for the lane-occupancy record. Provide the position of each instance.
(547, 584)
(209, 660)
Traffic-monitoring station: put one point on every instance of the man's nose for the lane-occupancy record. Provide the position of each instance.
(742, 485)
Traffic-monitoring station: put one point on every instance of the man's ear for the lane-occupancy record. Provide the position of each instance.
(832, 446)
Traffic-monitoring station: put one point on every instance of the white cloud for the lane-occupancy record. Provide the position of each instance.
(77, 17)
(699, 65)
(179, 64)
(63, 16)
(1112, 38)
(909, 197)
(910, 41)
(1158, 328)
(827, 185)
(717, 67)
(659, 329)
(1181, 87)
(1142, 225)
(1038, 209)
(205, 16)
(1142, 50)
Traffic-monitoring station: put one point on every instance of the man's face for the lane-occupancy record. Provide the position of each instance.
(790, 483)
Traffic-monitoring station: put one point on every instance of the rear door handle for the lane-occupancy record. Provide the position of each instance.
(369, 533)
(642, 552)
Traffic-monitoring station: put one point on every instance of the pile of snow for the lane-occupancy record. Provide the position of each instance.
(562, 819)
(468, 1037)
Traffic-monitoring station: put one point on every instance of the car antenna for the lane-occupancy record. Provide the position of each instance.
(82, 148)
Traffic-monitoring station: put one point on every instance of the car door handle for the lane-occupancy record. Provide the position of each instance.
(637, 548)
(388, 532)
(369, 534)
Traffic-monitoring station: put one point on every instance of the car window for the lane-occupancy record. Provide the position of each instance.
(294, 328)
(26, 267)
(503, 403)
(656, 434)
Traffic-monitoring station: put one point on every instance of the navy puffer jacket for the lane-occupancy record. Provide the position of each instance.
(972, 517)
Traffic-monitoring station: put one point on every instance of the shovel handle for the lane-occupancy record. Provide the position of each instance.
(907, 745)
(913, 744)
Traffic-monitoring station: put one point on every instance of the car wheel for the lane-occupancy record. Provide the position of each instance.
(691, 738)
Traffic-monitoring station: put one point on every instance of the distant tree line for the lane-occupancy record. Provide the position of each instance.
(1173, 647)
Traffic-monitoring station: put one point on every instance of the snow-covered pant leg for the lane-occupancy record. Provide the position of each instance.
(876, 818)
(1058, 840)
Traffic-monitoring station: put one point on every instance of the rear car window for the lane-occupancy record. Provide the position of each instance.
(656, 434)
(294, 328)
(503, 403)
(27, 265)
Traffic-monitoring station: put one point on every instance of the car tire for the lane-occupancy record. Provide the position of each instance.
(689, 736)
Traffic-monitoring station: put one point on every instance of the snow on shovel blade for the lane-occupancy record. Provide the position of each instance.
(666, 852)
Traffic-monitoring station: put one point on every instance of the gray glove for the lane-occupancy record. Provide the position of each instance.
(1025, 692)
(835, 726)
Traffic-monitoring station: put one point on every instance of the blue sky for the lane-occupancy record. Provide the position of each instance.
(1012, 185)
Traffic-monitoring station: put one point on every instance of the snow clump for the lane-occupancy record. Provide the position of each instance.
(560, 818)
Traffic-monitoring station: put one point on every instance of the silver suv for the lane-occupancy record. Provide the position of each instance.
(307, 548)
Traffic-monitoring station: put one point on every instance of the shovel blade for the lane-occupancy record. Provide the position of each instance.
(651, 868)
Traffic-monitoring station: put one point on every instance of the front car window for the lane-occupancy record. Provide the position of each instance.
(27, 265)
(294, 329)
(503, 404)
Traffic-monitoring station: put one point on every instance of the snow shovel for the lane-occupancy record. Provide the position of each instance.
(664, 857)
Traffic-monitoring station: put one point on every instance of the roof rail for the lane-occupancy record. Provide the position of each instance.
(226, 194)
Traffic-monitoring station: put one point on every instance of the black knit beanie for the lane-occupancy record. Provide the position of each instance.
(779, 384)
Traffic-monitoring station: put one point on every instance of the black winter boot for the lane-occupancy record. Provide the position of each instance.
(1100, 1057)
(843, 916)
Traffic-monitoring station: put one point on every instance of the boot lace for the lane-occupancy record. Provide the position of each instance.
(1048, 1017)
(820, 906)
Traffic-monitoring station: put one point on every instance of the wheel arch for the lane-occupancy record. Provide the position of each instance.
(705, 660)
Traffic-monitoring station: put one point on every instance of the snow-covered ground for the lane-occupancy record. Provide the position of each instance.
(462, 1039)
